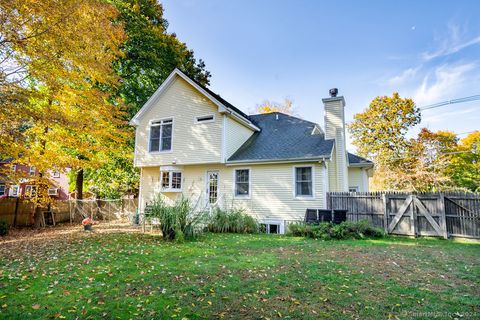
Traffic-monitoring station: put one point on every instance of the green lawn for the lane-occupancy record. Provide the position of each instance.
(137, 276)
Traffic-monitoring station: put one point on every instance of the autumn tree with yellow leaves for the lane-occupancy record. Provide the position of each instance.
(55, 78)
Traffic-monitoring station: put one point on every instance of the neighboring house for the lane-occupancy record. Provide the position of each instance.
(191, 141)
(25, 186)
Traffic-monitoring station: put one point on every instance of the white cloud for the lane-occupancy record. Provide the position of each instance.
(439, 117)
(454, 42)
(442, 83)
(407, 74)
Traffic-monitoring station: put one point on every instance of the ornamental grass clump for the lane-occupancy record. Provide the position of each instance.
(232, 221)
(178, 221)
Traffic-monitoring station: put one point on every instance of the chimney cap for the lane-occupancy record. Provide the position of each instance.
(333, 92)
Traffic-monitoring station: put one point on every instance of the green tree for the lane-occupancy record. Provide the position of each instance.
(465, 163)
(379, 133)
(150, 55)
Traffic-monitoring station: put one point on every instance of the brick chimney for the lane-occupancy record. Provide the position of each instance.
(335, 129)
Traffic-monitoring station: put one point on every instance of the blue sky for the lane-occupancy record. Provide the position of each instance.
(257, 50)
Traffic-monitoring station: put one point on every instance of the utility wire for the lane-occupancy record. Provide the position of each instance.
(453, 101)
(462, 133)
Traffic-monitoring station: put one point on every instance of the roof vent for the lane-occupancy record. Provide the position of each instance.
(333, 92)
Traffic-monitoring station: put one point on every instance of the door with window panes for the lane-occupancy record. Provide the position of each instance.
(212, 187)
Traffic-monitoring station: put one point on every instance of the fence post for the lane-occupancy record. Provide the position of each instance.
(413, 218)
(16, 212)
(443, 218)
(385, 212)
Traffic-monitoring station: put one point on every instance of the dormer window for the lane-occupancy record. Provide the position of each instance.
(205, 119)
(161, 135)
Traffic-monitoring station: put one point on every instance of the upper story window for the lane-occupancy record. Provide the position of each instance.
(242, 182)
(161, 135)
(56, 174)
(205, 119)
(31, 171)
(14, 168)
(2, 190)
(171, 181)
(303, 181)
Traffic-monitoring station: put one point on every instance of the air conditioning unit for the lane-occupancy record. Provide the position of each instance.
(53, 192)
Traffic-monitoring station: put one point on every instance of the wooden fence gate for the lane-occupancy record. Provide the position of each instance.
(413, 214)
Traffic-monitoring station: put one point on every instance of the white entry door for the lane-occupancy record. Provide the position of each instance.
(212, 187)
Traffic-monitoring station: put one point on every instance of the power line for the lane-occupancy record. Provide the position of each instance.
(453, 101)
(467, 132)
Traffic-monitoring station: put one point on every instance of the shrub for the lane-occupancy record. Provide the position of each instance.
(327, 231)
(233, 220)
(178, 221)
(3, 228)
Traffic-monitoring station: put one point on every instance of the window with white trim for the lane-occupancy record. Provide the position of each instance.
(242, 182)
(353, 189)
(31, 171)
(14, 168)
(270, 228)
(14, 190)
(2, 190)
(52, 191)
(171, 181)
(205, 119)
(56, 174)
(161, 135)
(30, 190)
(303, 181)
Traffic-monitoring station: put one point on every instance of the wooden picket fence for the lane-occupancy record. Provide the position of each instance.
(449, 214)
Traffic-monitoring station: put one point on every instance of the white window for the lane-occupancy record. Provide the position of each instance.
(171, 181)
(353, 189)
(32, 171)
(52, 191)
(205, 119)
(14, 191)
(304, 182)
(14, 168)
(272, 227)
(161, 135)
(30, 190)
(242, 183)
(2, 190)
(56, 174)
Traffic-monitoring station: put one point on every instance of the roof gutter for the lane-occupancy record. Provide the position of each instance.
(276, 161)
(361, 165)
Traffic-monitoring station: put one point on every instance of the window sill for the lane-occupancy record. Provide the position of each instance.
(159, 152)
(242, 197)
(171, 190)
(305, 197)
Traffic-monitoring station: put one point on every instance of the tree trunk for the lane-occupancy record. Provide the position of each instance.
(79, 184)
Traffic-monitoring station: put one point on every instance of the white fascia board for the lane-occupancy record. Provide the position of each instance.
(221, 108)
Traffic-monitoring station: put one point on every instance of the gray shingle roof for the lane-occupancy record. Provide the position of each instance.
(283, 138)
(358, 161)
